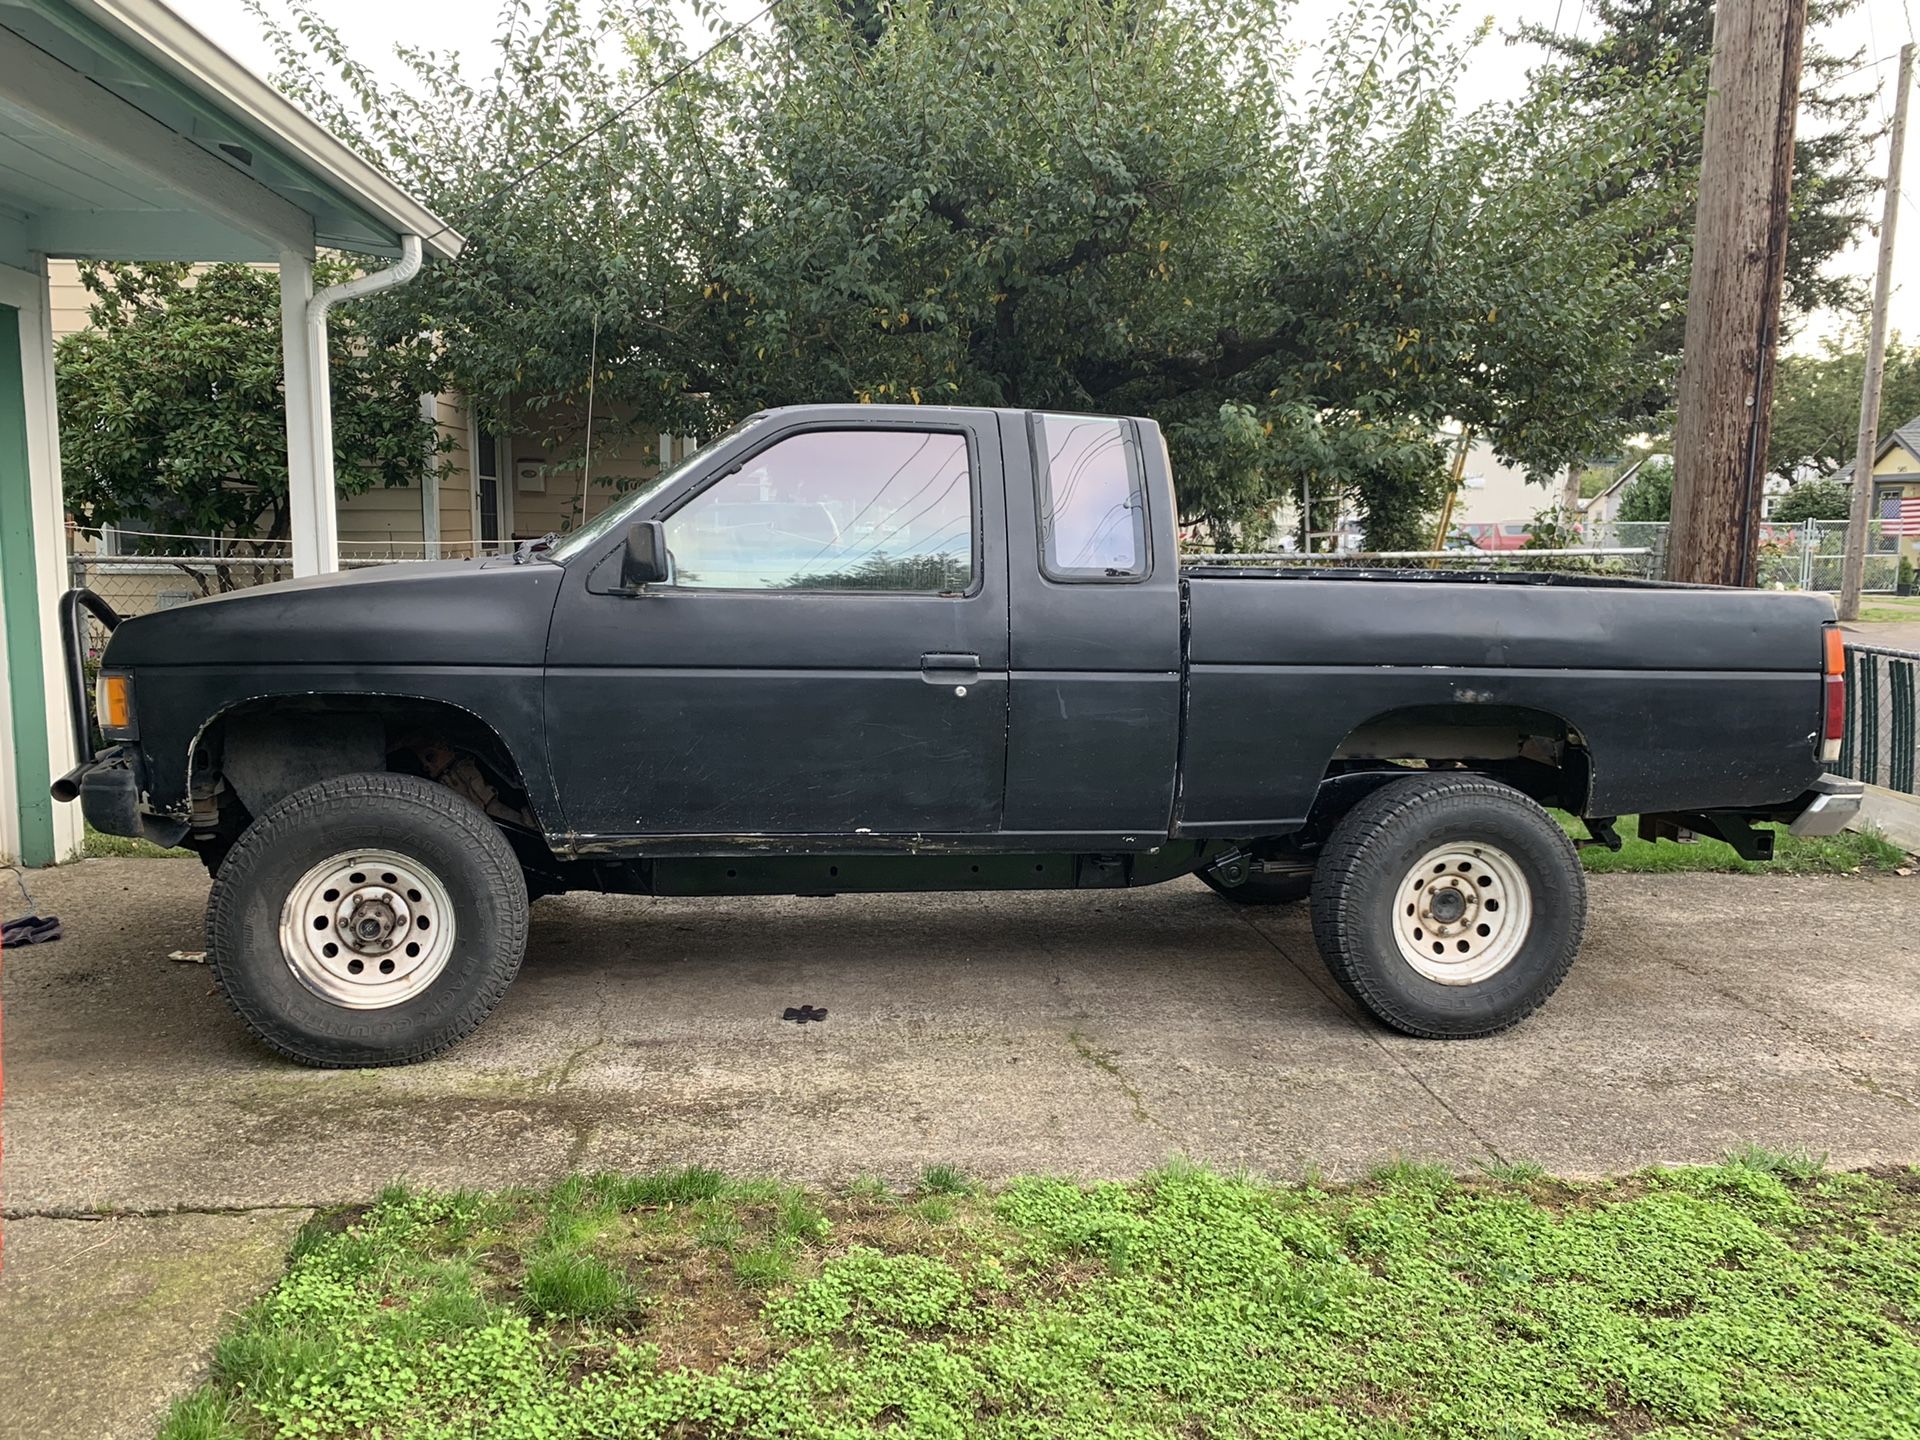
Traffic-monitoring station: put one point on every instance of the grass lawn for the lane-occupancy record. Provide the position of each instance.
(1758, 1298)
(99, 846)
(1845, 854)
(1877, 608)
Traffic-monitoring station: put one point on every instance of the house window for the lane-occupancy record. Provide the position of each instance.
(486, 488)
(1897, 515)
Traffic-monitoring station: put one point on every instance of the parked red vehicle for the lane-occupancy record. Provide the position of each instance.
(1512, 535)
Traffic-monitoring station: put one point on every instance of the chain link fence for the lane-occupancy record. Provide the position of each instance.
(1879, 745)
(1811, 556)
(195, 568)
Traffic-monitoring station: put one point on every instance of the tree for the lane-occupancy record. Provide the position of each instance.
(172, 409)
(1816, 404)
(1649, 495)
(1667, 44)
(1085, 204)
(1813, 500)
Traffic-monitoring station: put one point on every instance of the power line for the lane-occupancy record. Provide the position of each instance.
(614, 117)
(1868, 65)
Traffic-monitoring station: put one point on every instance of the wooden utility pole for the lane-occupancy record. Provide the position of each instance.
(1733, 301)
(1866, 448)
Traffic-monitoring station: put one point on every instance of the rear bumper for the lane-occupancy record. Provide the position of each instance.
(1828, 807)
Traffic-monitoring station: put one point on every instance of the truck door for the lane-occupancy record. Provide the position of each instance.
(829, 656)
(1093, 562)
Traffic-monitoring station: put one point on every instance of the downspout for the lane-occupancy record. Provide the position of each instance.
(320, 382)
(430, 480)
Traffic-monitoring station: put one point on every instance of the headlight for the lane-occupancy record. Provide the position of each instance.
(113, 704)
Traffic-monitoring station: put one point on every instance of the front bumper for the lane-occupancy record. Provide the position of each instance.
(1830, 805)
(108, 789)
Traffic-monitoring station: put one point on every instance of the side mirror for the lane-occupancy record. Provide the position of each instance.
(645, 561)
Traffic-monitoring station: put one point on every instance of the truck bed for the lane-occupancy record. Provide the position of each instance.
(1683, 697)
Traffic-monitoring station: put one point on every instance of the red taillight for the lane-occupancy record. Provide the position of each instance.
(1834, 729)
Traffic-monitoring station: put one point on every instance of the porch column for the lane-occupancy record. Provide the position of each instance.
(311, 507)
(36, 734)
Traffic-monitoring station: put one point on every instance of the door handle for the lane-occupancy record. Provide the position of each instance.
(941, 667)
(945, 660)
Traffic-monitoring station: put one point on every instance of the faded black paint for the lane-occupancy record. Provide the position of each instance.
(1025, 716)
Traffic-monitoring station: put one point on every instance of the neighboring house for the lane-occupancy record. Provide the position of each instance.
(1491, 491)
(1896, 490)
(495, 488)
(1605, 507)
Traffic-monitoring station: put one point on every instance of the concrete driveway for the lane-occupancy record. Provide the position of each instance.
(1091, 1033)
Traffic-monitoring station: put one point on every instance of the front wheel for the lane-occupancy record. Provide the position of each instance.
(1449, 907)
(367, 920)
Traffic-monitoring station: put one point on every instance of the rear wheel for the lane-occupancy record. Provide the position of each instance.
(367, 920)
(1448, 907)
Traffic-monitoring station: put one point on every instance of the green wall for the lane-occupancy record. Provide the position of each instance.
(18, 587)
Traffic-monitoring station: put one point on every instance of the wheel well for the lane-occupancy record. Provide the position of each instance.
(1536, 752)
(253, 754)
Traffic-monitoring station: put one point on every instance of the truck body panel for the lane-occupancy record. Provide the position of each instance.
(985, 694)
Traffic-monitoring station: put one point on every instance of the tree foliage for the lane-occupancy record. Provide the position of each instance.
(172, 414)
(1105, 205)
(1813, 500)
(1668, 44)
(1816, 404)
(1649, 495)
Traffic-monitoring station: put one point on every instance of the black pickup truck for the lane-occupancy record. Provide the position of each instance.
(888, 648)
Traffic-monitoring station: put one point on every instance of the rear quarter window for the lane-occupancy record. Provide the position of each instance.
(1092, 498)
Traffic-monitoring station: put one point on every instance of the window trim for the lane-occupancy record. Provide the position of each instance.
(502, 497)
(977, 515)
(1043, 500)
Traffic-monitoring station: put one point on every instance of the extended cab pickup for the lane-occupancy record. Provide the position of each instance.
(888, 648)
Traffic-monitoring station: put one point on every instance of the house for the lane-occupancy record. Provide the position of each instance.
(1492, 491)
(126, 134)
(1604, 508)
(1896, 491)
(494, 489)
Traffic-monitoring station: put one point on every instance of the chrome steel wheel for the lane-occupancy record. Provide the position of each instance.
(367, 929)
(1462, 913)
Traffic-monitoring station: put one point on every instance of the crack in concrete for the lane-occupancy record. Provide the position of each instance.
(1322, 983)
(152, 1212)
(1104, 1062)
(1861, 1079)
(555, 1077)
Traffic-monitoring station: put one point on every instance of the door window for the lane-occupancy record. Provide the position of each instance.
(1093, 510)
(486, 484)
(875, 510)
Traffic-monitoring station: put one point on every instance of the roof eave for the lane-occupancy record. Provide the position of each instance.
(171, 43)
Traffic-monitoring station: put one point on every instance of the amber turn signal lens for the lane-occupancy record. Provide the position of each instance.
(114, 700)
(1836, 651)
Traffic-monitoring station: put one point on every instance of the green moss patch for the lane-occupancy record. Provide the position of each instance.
(1761, 1297)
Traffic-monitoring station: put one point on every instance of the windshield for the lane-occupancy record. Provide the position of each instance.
(617, 513)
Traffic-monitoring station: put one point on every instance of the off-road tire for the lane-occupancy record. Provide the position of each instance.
(386, 812)
(1261, 889)
(1358, 891)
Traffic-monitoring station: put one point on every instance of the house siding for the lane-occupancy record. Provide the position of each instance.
(390, 518)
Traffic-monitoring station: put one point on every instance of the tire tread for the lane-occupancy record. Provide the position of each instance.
(314, 803)
(1355, 845)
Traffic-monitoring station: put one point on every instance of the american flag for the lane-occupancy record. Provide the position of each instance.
(1899, 513)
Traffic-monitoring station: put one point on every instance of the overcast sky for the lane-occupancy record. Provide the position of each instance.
(1496, 71)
